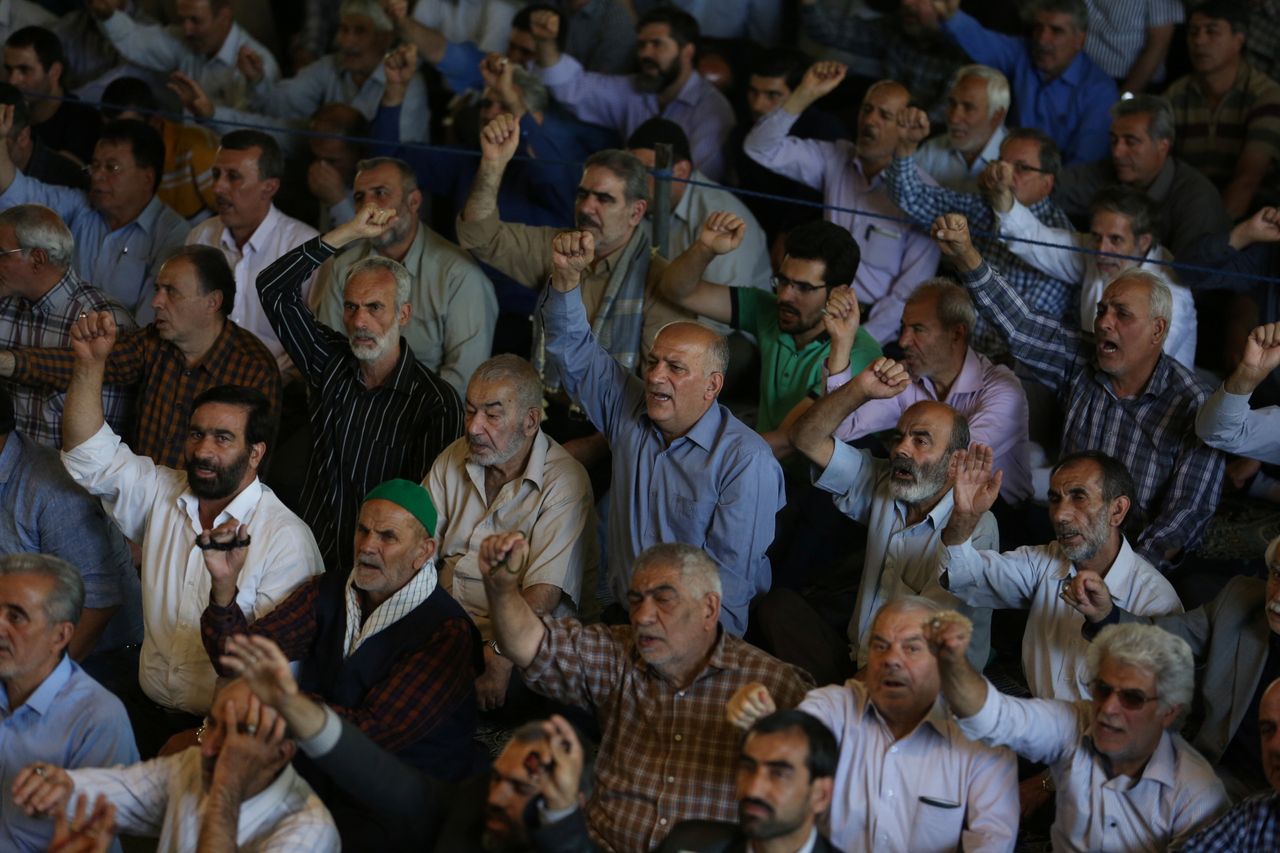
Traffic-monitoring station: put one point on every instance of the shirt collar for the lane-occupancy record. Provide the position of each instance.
(239, 508)
(269, 804)
(991, 151)
(259, 236)
(57, 296)
(220, 351)
(42, 697)
(401, 379)
(534, 470)
(1074, 74)
(146, 220)
(704, 432)
(1163, 183)
(937, 517)
(719, 660)
(693, 90)
(1122, 574)
(230, 50)
(969, 379)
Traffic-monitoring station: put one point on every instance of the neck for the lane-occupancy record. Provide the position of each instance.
(681, 675)
(900, 728)
(1102, 561)
(20, 687)
(497, 476)
(194, 349)
(1217, 83)
(374, 373)
(1131, 385)
(603, 252)
(669, 94)
(396, 251)
(43, 109)
(209, 510)
(804, 338)
(945, 378)
(917, 511)
(872, 167)
(789, 843)
(120, 218)
(41, 285)
(1133, 769)
(242, 234)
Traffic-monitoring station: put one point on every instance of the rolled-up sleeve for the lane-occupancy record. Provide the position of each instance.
(106, 468)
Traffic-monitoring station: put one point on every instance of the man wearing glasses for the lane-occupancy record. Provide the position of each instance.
(1125, 779)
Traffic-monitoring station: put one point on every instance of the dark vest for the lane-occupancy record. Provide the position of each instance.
(448, 753)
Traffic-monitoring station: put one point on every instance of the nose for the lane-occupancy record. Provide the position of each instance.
(475, 426)
(643, 613)
(753, 783)
(364, 542)
(906, 339)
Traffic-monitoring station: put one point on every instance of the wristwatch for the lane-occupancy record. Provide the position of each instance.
(493, 644)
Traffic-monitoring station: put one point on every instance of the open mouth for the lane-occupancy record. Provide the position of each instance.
(659, 397)
(1107, 348)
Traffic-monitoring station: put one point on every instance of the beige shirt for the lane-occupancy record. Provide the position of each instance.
(550, 504)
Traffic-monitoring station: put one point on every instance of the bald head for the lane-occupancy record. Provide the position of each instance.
(878, 123)
(684, 373)
(951, 428)
(699, 338)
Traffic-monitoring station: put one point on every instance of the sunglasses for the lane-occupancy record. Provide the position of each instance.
(1130, 698)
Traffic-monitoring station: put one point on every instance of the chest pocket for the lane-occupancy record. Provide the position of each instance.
(690, 517)
(939, 820)
(881, 246)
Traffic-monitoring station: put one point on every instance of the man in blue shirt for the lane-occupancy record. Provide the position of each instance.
(1056, 87)
(50, 710)
(684, 468)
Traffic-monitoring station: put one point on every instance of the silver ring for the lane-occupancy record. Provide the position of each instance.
(83, 314)
(39, 770)
(250, 729)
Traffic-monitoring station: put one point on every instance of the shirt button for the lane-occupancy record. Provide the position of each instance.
(662, 821)
(679, 738)
(893, 749)
(671, 780)
(890, 794)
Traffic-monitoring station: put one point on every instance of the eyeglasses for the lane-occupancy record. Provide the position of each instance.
(110, 169)
(1131, 699)
(781, 282)
(13, 251)
(1023, 168)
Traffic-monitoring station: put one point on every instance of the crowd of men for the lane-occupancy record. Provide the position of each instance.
(634, 425)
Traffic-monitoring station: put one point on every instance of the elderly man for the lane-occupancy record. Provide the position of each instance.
(170, 512)
(906, 778)
(977, 104)
(191, 347)
(788, 326)
(895, 258)
(1178, 479)
(1235, 639)
(207, 45)
(1123, 221)
(904, 502)
(1142, 138)
(1056, 87)
(1226, 422)
(665, 84)
(1254, 823)
(35, 63)
(236, 790)
(454, 308)
(507, 474)
(248, 229)
(41, 297)
(657, 688)
(50, 709)
(937, 324)
(376, 412)
(1124, 777)
(684, 468)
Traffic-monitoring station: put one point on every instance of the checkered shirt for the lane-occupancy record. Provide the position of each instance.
(1253, 824)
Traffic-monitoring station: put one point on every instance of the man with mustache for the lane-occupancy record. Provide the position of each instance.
(977, 103)
(171, 513)
(376, 412)
(1235, 639)
(904, 502)
(1122, 395)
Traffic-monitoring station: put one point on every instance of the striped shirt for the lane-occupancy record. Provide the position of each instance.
(1252, 825)
(47, 322)
(360, 437)
(1178, 479)
(1118, 31)
(165, 385)
(1263, 43)
(1211, 138)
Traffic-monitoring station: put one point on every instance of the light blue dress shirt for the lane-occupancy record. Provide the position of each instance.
(717, 487)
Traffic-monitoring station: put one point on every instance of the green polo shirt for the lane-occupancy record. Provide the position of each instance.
(787, 374)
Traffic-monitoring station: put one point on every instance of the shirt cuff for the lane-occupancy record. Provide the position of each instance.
(1013, 222)
(323, 741)
(1234, 406)
(547, 816)
(92, 453)
(837, 380)
(983, 723)
(845, 466)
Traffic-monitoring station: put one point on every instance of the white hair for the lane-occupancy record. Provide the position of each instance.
(1165, 656)
(997, 85)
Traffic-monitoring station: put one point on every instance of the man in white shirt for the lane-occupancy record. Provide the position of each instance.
(1125, 779)
(171, 513)
(236, 790)
(907, 779)
(1226, 422)
(977, 103)
(505, 473)
(206, 45)
(251, 232)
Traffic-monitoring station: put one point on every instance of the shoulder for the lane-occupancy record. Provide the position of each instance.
(440, 253)
(741, 443)
(1193, 773)
(247, 345)
(93, 702)
(207, 233)
(443, 400)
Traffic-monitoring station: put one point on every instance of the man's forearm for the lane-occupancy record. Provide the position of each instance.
(1153, 53)
(93, 621)
(482, 202)
(964, 688)
(303, 715)
(959, 528)
(1242, 380)
(7, 363)
(430, 43)
(82, 415)
(219, 826)
(516, 628)
(681, 277)
(812, 433)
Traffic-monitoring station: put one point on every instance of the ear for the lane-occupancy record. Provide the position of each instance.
(688, 53)
(1144, 243)
(638, 209)
(215, 301)
(1164, 145)
(270, 187)
(820, 795)
(1169, 717)
(425, 552)
(414, 202)
(532, 420)
(62, 634)
(715, 382)
(406, 311)
(256, 452)
(39, 258)
(711, 608)
(55, 73)
(1162, 329)
(1118, 510)
(1000, 115)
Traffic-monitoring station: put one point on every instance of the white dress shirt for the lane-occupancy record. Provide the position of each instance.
(1070, 265)
(165, 797)
(931, 790)
(274, 236)
(487, 23)
(153, 505)
(1031, 578)
(901, 560)
(947, 166)
(1176, 794)
(16, 14)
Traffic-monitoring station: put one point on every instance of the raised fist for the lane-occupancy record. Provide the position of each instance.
(722, 232)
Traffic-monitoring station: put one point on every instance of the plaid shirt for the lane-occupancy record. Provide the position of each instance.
(361, 437)
(667, 754)
(47, 322)
(1253, 824)
(1178, 479)
(924, 203)
(420, 691)
(164, 384)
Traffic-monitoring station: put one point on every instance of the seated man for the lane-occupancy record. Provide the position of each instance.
(665, 84)
(50, 709)
(684, 468)
(1226, 422)
(895, 258)
(41, 297)
(35, 63)
(1056, 86)
(1124, 777)
(1227, 113)
(376, 412)
(937, 323)
(977, 104)
(236, 790)
(657, 688)
(1235, 639)
(454, 308)
(788, 326)
(1178, 479)
(228, 434)
(191, 347)
(249, 230)
(1122, 222)
(123, 232)
(31, 155)
(785, 784)
(906, 777)
(1090, 495)
(206, 45)
(904, 502)
(1252, 824)
(507, 474)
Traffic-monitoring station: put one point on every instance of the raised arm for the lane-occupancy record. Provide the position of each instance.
(1186, 505)
(1016, 221)
(516, 627)
(92, 337)
(948, 634)
(1226, 422)
(812, 433)
(499, 140)
(769, 142)
(682, 281)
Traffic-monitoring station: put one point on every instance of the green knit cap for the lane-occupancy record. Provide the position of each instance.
(411, 497)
